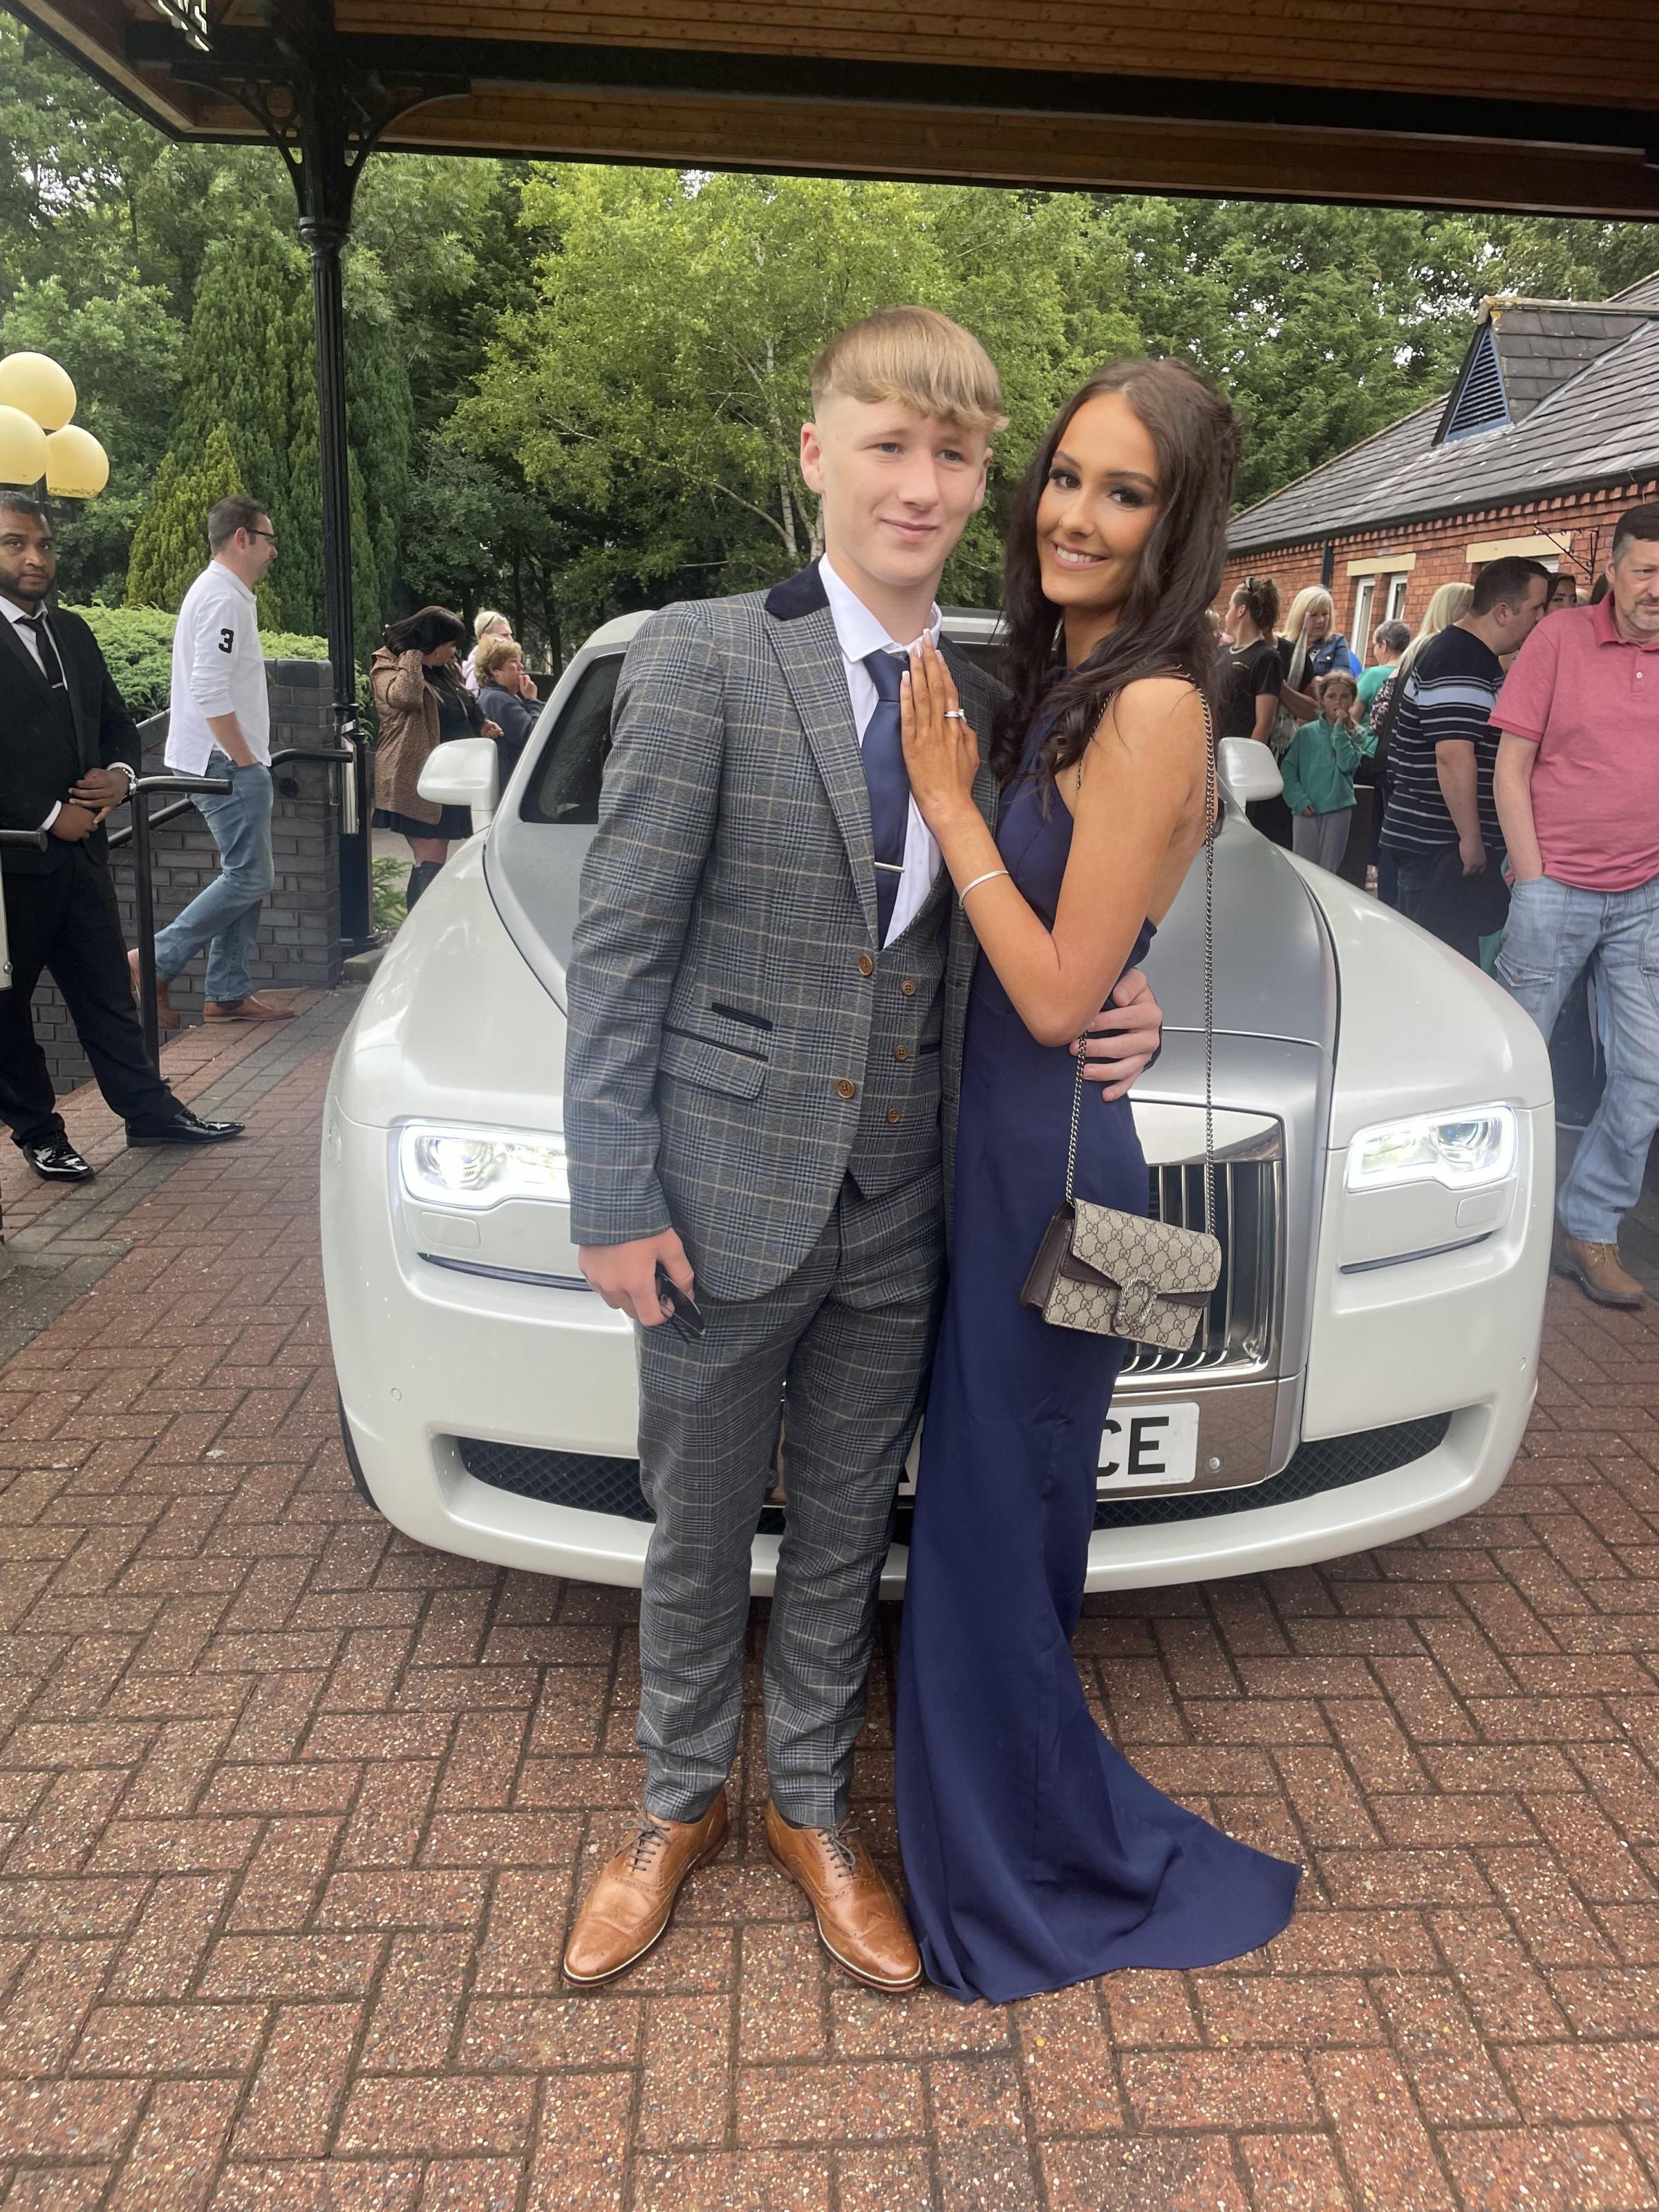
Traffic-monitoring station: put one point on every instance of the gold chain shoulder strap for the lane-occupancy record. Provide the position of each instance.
(1211, 796)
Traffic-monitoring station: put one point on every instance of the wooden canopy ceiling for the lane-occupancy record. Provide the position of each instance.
(1545, 104)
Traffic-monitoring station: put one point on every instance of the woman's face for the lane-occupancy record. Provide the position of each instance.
(500, 628)
(1318, 622)
(440, 655)
(509, 674)
(1098, 510)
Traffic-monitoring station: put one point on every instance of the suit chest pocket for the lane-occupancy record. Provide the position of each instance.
(691, 1059)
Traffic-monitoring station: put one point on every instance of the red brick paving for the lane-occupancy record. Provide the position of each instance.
(292, 1812)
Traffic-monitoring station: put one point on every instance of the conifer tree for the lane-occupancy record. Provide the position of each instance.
(169, 546)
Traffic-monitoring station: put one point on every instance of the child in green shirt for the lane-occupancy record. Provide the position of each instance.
(1318, 771)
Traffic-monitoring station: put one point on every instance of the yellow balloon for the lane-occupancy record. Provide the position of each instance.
(77, 467)
(34, 383)
(22, 447)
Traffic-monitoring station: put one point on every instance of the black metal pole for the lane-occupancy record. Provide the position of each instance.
(325, 236)
(144, 899)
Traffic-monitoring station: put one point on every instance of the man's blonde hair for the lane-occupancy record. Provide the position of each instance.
(919, 358)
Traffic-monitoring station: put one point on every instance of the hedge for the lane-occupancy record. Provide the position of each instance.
(137, 643)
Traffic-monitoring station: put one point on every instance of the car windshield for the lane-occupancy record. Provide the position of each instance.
(564, 785)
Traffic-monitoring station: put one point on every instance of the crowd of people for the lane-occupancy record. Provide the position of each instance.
(1515, 815)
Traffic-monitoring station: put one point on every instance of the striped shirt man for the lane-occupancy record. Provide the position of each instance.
(1449, 695)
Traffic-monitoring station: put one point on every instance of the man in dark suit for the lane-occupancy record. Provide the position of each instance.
(69, 754)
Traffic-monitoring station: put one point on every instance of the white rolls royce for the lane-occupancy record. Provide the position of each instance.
(1386, 1142)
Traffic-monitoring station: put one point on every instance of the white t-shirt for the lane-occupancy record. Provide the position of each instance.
(218, 669)
(859, 632)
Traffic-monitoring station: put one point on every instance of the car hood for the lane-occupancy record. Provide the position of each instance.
(1273, 972)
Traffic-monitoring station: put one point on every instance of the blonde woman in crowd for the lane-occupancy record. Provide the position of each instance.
(1310, 646)
(487, 622)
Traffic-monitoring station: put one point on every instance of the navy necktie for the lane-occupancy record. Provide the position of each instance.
(889, 785)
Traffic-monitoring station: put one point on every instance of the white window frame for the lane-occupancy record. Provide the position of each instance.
(1360, 635)
(1397, 585)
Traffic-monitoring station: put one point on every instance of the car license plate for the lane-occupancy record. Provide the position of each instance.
(1149, 1448)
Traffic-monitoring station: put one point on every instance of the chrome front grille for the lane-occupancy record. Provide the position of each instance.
(1239, 1334)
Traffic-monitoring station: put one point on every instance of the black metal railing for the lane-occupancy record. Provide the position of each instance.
(146, 820)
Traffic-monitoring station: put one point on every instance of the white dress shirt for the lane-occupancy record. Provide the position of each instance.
(19, 617)
(858, 632)
(218, 669)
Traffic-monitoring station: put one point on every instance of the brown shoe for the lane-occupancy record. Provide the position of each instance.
(1598, 1271)
(631, 1905)
(861, 1923)
(165, 1012)
(245, 1010)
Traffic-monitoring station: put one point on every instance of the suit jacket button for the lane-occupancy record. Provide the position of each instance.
(866, 965)
(894, 1117)
(908, 987)
(901, 1051)
(846, 1088)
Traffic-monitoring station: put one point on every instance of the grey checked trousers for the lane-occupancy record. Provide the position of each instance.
(850, 1337)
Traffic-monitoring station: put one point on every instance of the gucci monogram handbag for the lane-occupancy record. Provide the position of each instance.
(1121, 1274)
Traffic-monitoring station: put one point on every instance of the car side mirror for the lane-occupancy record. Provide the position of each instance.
(465, 772)
(1247, 769)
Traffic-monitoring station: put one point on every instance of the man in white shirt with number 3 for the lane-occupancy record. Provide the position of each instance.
(220, 725)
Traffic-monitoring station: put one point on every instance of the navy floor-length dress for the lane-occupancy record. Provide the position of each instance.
(1035, 1854)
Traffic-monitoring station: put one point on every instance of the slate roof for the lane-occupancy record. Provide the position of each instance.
(1582, 386)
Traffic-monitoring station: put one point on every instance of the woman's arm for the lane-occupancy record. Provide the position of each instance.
(404, 686)
(1266, 710)
(1138, 805)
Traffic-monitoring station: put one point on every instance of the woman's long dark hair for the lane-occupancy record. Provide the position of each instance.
(1164, 626)
(424, 631)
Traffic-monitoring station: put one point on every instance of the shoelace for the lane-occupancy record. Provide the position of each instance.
(646, 1842)
(841, 1852)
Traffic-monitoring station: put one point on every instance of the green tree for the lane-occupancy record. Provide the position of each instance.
(169, 546)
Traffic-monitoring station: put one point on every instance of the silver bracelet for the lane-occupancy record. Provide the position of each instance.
(989, 876)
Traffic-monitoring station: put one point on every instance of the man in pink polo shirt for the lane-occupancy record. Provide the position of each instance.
(1577, 791)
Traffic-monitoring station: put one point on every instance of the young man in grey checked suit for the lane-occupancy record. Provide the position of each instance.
(767, 1000)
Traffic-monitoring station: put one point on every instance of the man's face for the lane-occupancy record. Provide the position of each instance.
(258, 549)
(1519, 622)
(1635, 589)
(28, 560)
(897, 488)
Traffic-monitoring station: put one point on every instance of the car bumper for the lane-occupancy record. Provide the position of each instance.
(428, 1354)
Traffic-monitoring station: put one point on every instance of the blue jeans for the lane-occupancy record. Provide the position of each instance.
(1554, 930)
(225, 917)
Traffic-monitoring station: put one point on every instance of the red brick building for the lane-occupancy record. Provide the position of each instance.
(1550, 430)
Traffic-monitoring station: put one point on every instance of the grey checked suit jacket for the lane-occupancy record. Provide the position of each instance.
(715, 995)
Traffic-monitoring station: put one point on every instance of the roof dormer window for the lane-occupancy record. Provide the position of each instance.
(1480, 403)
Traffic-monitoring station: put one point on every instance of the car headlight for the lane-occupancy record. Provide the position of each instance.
(1464, 1151)
(442, 1164)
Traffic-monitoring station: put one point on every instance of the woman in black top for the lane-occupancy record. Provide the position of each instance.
(1247, 674)
(1249, 678)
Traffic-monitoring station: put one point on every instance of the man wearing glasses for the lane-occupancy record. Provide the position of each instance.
(220, 725)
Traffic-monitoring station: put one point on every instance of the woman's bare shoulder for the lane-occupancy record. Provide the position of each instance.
(1152, 710)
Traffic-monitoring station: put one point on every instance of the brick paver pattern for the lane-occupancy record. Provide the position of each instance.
(293, 1811)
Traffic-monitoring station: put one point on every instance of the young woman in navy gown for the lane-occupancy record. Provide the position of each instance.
(1035, 1854)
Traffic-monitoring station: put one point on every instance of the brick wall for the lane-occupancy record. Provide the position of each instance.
(300, 931)
(1440, 547)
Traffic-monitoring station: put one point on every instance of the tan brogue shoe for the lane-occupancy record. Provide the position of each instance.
(861, 1924)
(166, 1016)
(1598, 1271)
(629, 1905)
(251, 1009)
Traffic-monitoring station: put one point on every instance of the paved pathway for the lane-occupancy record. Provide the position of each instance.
(292, 1811)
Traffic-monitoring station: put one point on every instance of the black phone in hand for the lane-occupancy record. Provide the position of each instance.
(685, 1317)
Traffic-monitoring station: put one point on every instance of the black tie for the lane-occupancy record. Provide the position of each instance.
(46, 646)
(889, 784)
